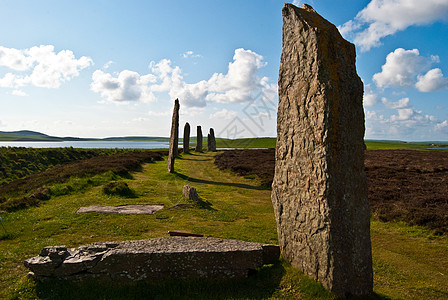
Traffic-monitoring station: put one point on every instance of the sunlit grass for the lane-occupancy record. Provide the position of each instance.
(408, 261)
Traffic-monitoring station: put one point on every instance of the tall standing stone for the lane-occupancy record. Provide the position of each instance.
(211, 141)
(172, 152)
(199, 139)
(319, 190)
(186, 140)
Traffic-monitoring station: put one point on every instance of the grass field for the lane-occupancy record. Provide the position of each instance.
(409, 263)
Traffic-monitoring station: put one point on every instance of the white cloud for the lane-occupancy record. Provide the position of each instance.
(404, 120)
(432, 81)
(42, 65)
(107, 65)
(401, 68)
(442, 127)
(402, 103)
(158, 114)
(224, 114)
(381, 18)
(370, 98)
(406, 68)
(241, 80)
(15, 59)
(127, 86)
(19, 93)
(191, 54)
(240, 84)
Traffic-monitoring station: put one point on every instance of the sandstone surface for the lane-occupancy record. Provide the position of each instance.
(122, 209)
(152, 259)
(190, 193)
(174, 137)
(199, 139)
(211, 141)
(186, 140)
(319, 190)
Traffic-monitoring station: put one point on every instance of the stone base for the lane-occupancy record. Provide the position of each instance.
(166, 257)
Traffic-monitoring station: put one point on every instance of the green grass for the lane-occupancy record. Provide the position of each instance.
(407, 260)
(397, 145)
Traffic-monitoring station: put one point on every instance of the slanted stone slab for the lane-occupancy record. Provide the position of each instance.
(174, 136)
(122, 209)
(211, 141)
(166, 257)
(199, 139)
(319, 190)
(186, 140)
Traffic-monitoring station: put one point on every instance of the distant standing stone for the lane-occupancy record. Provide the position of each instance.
(211, 141)
(199, 139)
(172, 152)
(186, 140)
(190, 193)
(319, 190)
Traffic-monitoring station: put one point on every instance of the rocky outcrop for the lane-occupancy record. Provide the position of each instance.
(190, 193)
(186, 140)
(319, 190)
(211, 141)
(199, 139)
(174, 137)
(166, 257)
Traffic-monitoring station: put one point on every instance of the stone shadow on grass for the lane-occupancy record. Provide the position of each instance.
(260, 284)
(239, 185)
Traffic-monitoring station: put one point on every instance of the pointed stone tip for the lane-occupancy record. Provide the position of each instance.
(308, 7)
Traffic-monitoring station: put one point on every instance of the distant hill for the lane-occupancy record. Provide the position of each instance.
(34, 136)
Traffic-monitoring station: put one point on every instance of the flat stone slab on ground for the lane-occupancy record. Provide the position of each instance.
(122, 209)
(165, 257)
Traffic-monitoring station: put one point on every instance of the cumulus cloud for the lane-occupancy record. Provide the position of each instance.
(224, 114)
(402, 103)
(401, 68)
(127, 86)
(370, 98)
(432, 81)
(240, 84)
(40, 66)
(405, 68)
(442, 127)
(403, 120)
(381, 18)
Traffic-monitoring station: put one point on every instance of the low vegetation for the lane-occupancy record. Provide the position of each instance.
(409, 261)
(21, 193)
(19, 162)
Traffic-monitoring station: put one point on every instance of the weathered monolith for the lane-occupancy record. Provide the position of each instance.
(319, 190)
(199, 139)
(172, 152)
(186, 140)
(211, 142)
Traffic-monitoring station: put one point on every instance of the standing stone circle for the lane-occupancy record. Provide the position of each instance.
(319, 190)
(199, 139)
(172, 152)
(186, 140)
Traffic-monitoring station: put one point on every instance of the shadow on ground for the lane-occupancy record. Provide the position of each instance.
(260, 285)
(239, 185)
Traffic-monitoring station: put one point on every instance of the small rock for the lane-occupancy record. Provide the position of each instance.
(190, 193)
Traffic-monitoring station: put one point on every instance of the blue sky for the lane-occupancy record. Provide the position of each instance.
(103, 68)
